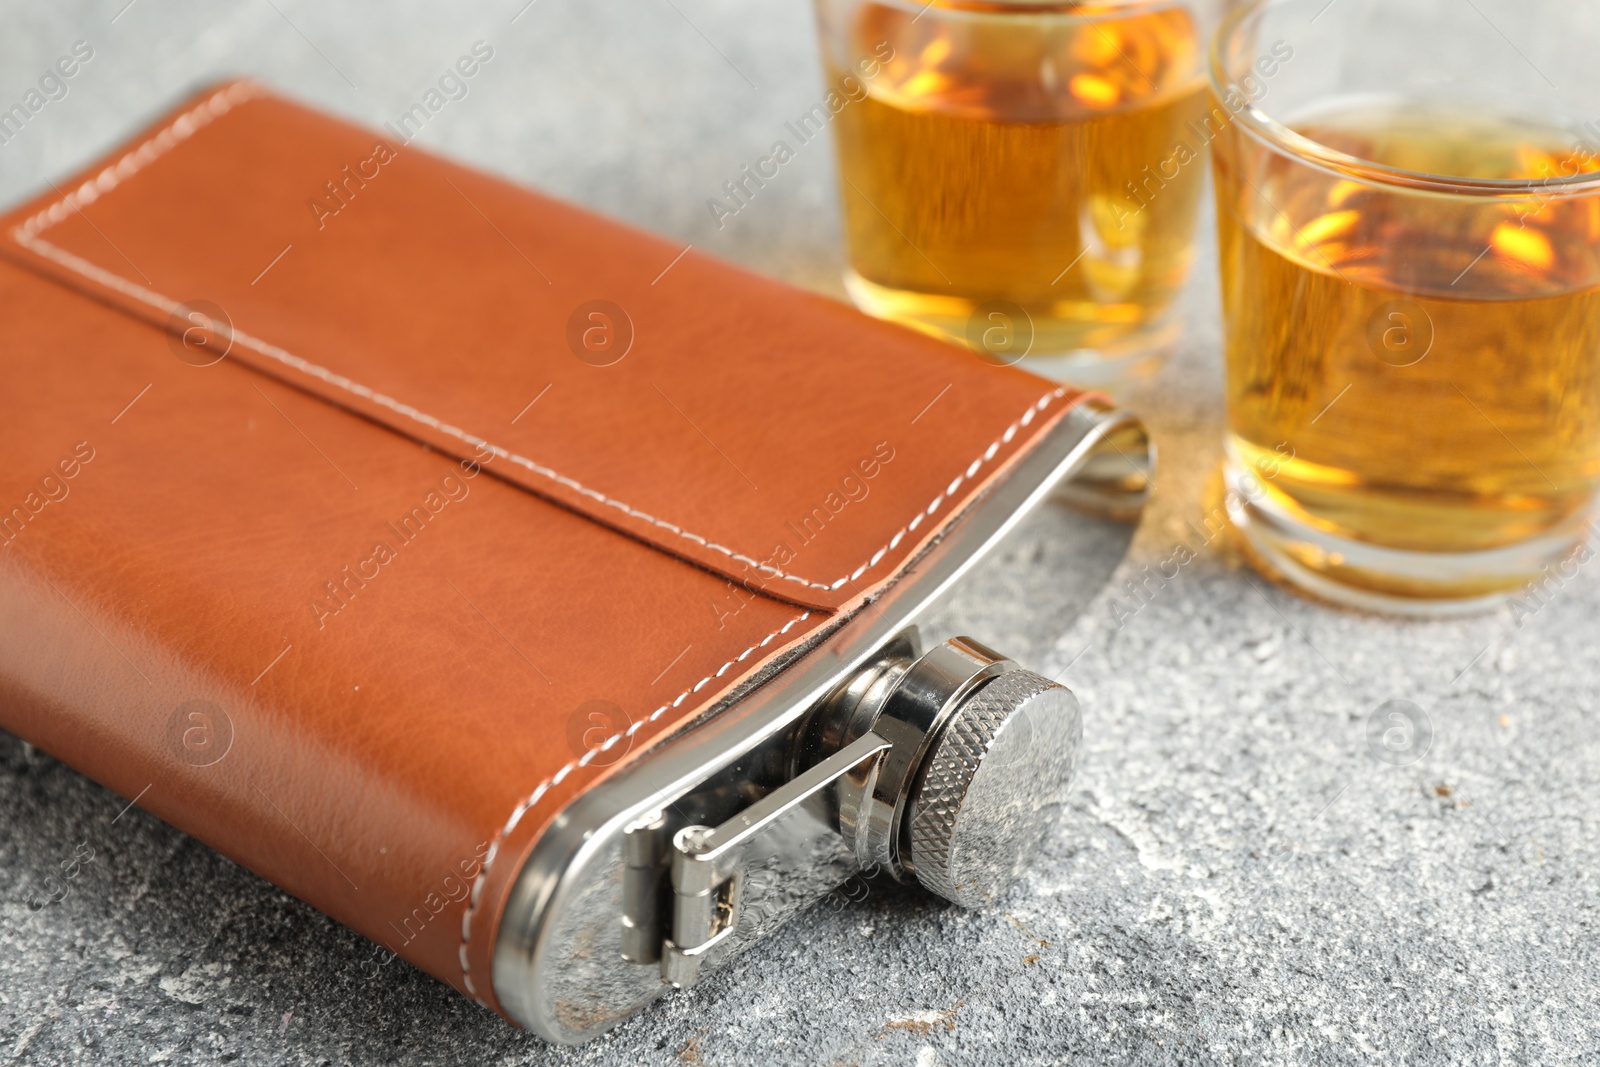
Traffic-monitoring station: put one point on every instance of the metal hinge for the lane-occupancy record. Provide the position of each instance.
(734, 883)
(644, 856)
(947, 765)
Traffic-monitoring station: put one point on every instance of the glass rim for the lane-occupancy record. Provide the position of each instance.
(1306, 149)
(1083, 9)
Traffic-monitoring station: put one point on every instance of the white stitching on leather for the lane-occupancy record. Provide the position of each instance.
(223, 101)
(165, 304)
(556, 779)
(218, 104)
(175, 133)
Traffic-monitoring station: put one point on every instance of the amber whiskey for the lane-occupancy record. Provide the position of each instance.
(1430, 362)
(1046, 163)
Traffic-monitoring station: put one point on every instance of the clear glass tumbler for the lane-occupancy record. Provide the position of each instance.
(1409, 225)
(1021, 176)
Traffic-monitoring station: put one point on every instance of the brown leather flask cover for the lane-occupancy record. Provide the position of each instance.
(360, 509)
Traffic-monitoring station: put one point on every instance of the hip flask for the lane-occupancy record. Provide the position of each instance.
(540, 598)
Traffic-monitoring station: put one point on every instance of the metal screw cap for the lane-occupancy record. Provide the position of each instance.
(992, 786)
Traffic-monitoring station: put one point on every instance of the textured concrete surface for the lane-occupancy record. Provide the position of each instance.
(1241, 880)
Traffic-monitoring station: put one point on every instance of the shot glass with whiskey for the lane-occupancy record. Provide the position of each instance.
(1409, 230)
(1022, 176)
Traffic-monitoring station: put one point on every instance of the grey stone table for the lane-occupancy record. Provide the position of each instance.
(1240, 880)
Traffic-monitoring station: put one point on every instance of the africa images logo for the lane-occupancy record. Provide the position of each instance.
(199, 733)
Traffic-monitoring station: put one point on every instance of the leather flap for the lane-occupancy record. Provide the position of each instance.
(774, 436)
(360, 683)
